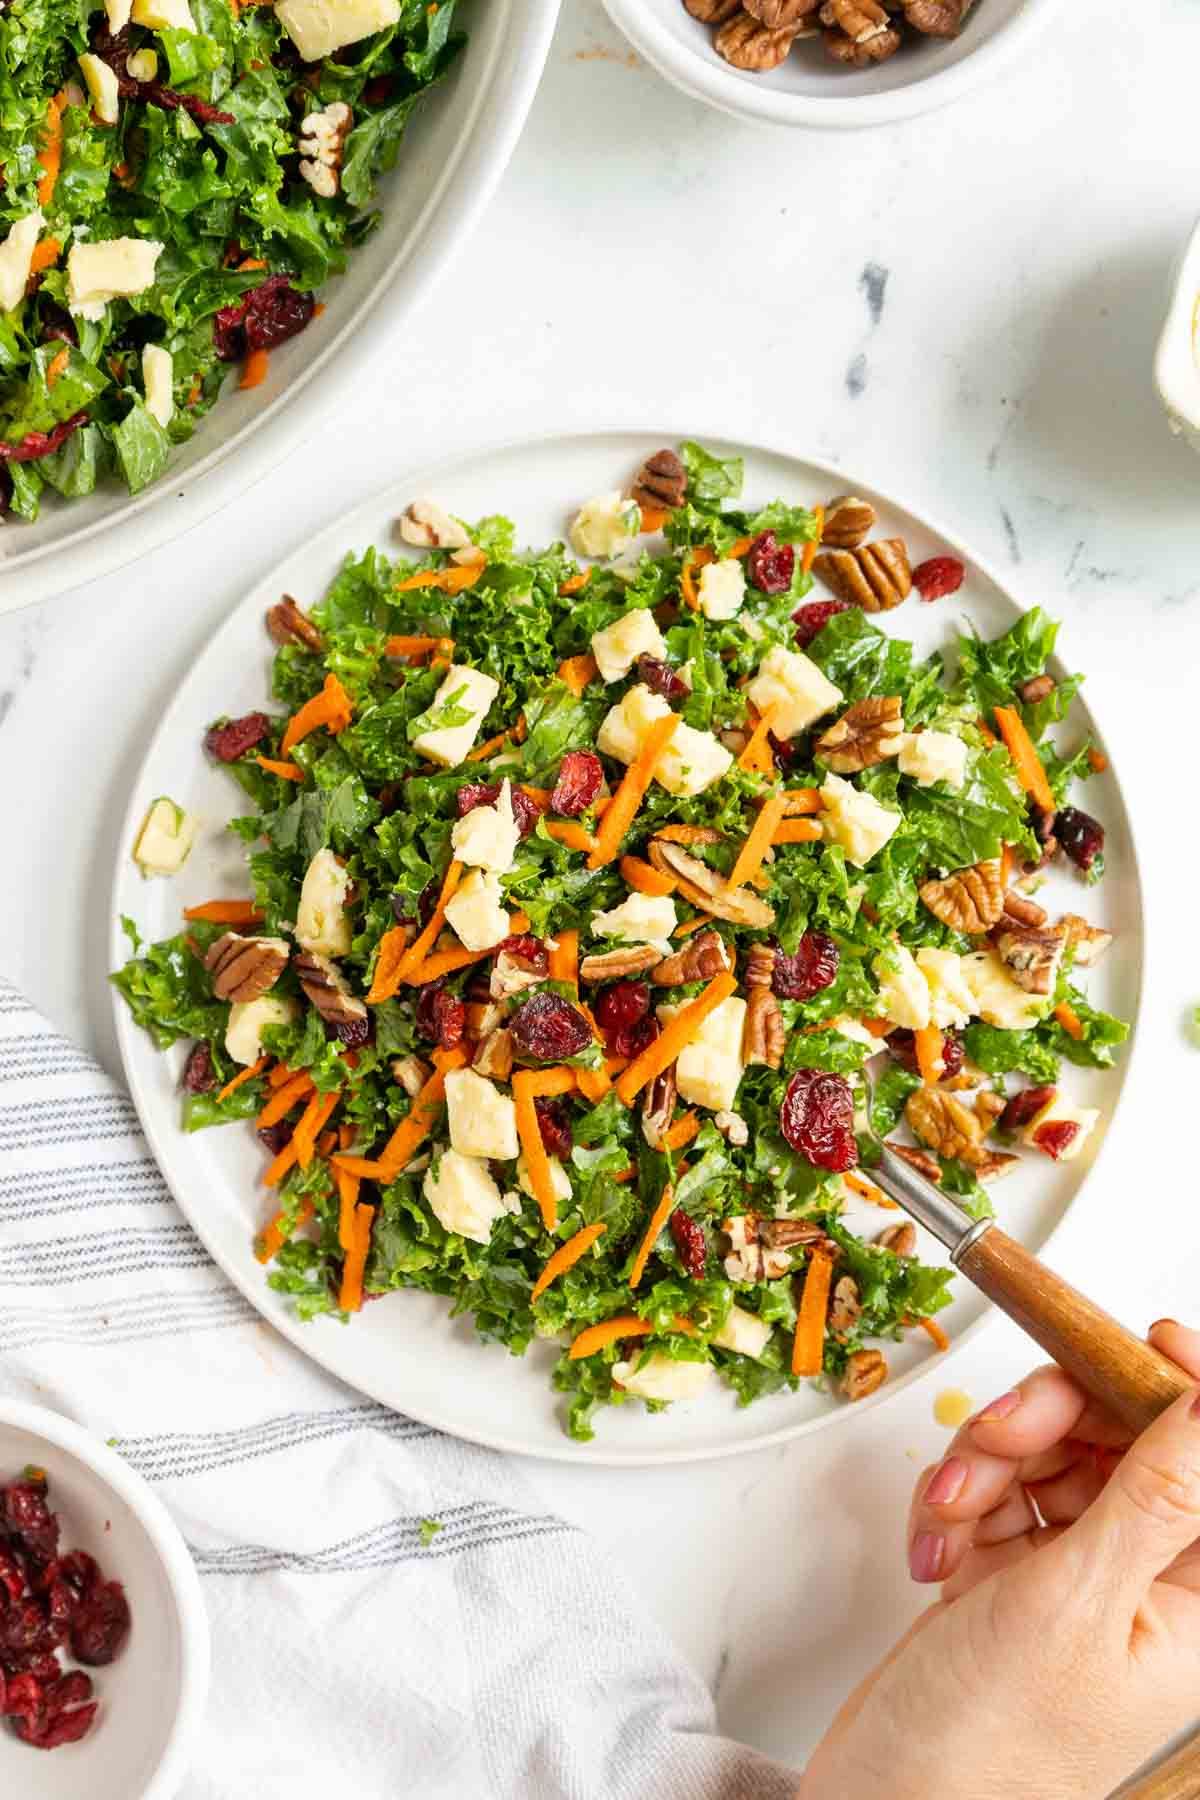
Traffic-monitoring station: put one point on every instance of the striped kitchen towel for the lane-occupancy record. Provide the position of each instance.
(351, 1656)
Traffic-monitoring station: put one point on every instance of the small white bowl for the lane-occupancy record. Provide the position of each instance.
(151, 1697)
(810, 89)
(1177, 359)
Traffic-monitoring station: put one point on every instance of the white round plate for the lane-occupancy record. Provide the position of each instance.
(451, 160)
(406, 1351)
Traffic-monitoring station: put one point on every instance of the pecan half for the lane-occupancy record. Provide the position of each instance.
(733, 1128)
(945, 1124)
(763, 1033)
(760, 967)
(410, 1073)
(628, 959)
(936, 18)
(970, 900)
(988, 1107)
(846, 1307)
(784, 15)
(779, 1234)
(483, 1016)
(661, 482)
(703, 955)
(1088, 942)
(901, 1240)
(865, 1371)
(848, 522)
(708, 890)
(322, 144)
(993, 1165)
(844, 50)
(494, 1055)
(867, 733)
(745, 44)
(512, 973)
(875, 576)
(1040, 688)
(748, 1257)
(713, 12)
(861, 20)
(288, 625)
(242, 968)
(326, 988)
(1031, 956)
(920, 1160)
(1024, 910)
(429, 527)
(658, 1108)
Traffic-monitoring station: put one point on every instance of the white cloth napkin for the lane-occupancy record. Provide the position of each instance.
(498, 1660)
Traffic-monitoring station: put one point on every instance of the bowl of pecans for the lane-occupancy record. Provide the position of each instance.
(833, 63)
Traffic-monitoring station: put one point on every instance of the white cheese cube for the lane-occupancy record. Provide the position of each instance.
(163, 15)
(16, 259)
(619, 645)
(462, 1196)
(642, 919)
(113, 269)
(487, 836)
(659, 1377)
(158, 379)
(721, 589)
(319, 27)
(692, 761)
(605, 525)
(482, 1120)
(903, 990)
(998, 999)
(321, 921)
(744, 1332)
(855, 820)
(102, 85)
(143, 64)
(166, 838)
(249, 1018)
(474, 692)
(1059, 1111)
(951, 1000)
(708, 1070)
(932, 756)
(560, 1181)
(790, 685)
(476, 912)
(118, 13)
(849, 1027)
(624, 728)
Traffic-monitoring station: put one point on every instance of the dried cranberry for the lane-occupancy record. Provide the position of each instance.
(229, 741)
(24, 1628)
(67, 1728)
(12, 1576)
(661, 678)
(580, 778)
(353, 1033)
(531, 950)
(1056, 1136)
(441, 1017)
(268, 315)
(636, 1038)
(274, 1138)
(199, 1076)
(156, 93)
(690, 1243)
(770, 564)
(812, 966)
(100, 1626)
(29, 1519)
(549, 1029)
(1081, 836)
(378, 90)
(620, 1007)
(67, 1690)
(555, 1126)
(1022, 1107)
(23, 1696)
(813, 618)
(817, 1119)
(940, 576)
(399, 909)
(903, 1047)
(36, 444)
(526, 812)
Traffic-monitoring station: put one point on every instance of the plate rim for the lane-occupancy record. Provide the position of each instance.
(250, 1282)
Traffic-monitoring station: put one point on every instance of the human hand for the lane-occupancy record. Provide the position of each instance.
(1065, 1648)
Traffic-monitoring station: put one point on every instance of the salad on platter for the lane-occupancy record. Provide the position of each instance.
(609, 906)
(179, 178)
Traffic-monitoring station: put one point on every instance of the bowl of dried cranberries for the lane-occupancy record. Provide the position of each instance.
(103, 1631)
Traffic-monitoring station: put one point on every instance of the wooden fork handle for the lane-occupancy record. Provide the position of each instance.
(1118, 1369)
(1176, 1779)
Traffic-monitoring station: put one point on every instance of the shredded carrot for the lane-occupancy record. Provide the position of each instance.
(56, 365)
(396, 961)
(808, 555)
(1069, 1019)
(313, 1121)
(690, 925)
(687, 587)
(933, 1329)
(452, 580)
(573, 835)
(574, 583)
(225, 912)
(327, 1143)
(412, 1130)
(287, 771)
(578, 672)
(347, 1189)
(50, 154)
(331, 708)
(628, 797)
(243, 1075)
(537, 1162)
(654, 517)
(859, 1184)
(931, 1064)
(249, 262)
(658, 1218)
(564, 958)
(539, 796)
(1026, 760)
(488, 747)
(254, 368)
(345, 1136)
(738, 548)
(350, 1297)
(644, 879)
(417, 647)
(682, 1131)
(279, 1074)
(871, 1022)
(757, 757)
(442, 962)
(593, 1083)
(797, 831)
(565, 1257)
(609, 1331)
(45, 255)
(297, 1087)
(687, 834)
(674, 1036)
(626, 1175)
(278, 1169)
(802, 800)
(989, 737)
(548, 1083)
(277, 1233)
(758, 841)
(808, 1345)
(1097, 761)
(1007, 859)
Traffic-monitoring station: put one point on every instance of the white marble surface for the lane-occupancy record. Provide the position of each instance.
(646, 259)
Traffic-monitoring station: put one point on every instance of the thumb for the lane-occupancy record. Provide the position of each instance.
(1149, 1512)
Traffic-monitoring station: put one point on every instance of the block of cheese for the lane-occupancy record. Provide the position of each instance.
(744, 1332)
(487, 836)
(560, 1181)
(709, 1069)
(855, 820)
(102, 85)
(158, 379)
(721, 589)
(619, 645)
(658, 1377)
(163, 15)
(477, 912)
(933, 756)
(998, 999)
(464, 690)
(642, 919)
(790, 686)
(319, 27)
(903, 990)
(166, 838)
(691, 762)
(1058, 1110)
(605, 525)
(16, 259)
(322, 923)
(462, 1196)
(482, 1120)
(951, 1000)
(113, 269)
(248, 1020)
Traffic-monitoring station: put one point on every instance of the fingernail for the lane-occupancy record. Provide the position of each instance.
(1002, 1408)
(925, 1556)
(1159, 1323)
(947, 1481)
(1194, 1409)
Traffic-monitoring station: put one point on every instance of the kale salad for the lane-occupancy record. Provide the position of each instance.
(179, 178)
(607, 906)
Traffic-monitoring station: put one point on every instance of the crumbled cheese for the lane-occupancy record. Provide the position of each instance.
(903, 990)
(487, 836)
(158, 379)
(998, 999)
(560, 1181)
(166, 838)
(113, 269)
(462, 1196)
(605, 525)
(482, 1120)
(721, 589)
(118, 13)
(477, 913)
(951, 1000)
(659, 1377)
(691, 762)
(322, 924)
(790, 686)
(933, 756)
(473, 692)
(163, 15)
(624, 727)
(103, 87)
(849, 1027)
(855, 820)
(709, 1068)
(322, 138)
(248, 1019)
(641, 919)
(143, 64)
(1059, 1110)
(319, 27)
(619, 645)
(16, 259)
(744, 1332)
